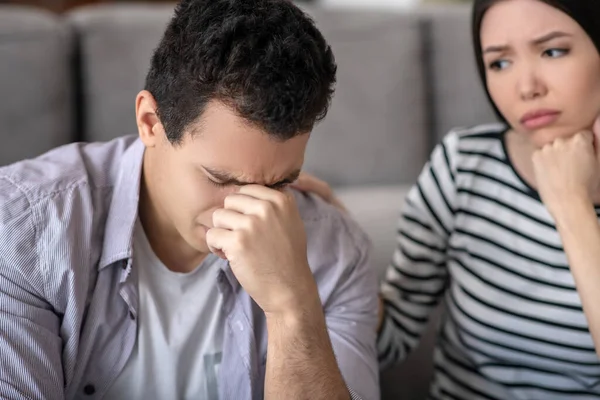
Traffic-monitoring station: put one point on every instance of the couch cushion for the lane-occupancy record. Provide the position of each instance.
(35, 82)
(375, 130)
(458, 98)
(376, 209)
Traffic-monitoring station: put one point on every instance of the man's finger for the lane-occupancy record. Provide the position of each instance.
(217, 239)
(262, 193)
(229, 219)
(243, 203)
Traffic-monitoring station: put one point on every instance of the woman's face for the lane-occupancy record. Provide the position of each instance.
(542, 69)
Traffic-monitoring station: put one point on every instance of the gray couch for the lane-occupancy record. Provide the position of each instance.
(405, 78)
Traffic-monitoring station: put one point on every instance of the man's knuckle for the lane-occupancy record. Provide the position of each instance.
(280, 199)
(251, 223)
(265, 209)
(238, 241)
(217, 215)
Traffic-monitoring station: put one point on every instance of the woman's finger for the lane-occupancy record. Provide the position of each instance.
(312, 184)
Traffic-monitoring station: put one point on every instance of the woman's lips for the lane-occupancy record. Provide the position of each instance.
(539, 119)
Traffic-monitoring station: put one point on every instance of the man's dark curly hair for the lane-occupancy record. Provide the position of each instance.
(263, 58)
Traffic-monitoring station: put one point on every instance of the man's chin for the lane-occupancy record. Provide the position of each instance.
(201, 247)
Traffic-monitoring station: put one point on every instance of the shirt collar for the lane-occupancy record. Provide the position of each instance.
(122, 214)
(229, 275)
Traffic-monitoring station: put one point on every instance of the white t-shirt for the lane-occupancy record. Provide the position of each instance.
(180, 331)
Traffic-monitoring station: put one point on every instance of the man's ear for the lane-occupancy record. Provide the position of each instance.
(149, 126)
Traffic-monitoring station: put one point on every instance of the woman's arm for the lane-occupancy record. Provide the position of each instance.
(580, 233)
(568, 179)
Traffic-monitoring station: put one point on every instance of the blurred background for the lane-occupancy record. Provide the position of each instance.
(70, 71)
(64, 5)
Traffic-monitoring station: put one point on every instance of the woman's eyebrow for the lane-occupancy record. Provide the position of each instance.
(545, 38)
(549, 36)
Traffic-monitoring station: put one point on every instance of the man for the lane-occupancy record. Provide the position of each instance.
(179, 265)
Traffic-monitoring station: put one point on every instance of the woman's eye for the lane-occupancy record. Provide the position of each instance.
(499, 65)
(555, 53)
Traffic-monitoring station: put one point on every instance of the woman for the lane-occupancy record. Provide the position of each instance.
(501, 225)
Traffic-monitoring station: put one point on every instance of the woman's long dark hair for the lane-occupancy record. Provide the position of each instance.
(585, 12)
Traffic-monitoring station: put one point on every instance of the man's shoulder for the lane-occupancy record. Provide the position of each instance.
(333, 237)
(322, 219)
(63, 169)
(52, 208)
(59, 185)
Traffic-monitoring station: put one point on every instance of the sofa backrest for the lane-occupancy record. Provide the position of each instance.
(457, 98)
(36, 107)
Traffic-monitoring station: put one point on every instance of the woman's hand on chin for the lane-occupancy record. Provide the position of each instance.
(567, 171)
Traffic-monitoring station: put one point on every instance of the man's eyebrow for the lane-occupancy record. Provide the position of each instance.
(545, 38)
(226, 178)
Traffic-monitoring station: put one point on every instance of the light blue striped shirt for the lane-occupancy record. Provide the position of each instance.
(68, 289)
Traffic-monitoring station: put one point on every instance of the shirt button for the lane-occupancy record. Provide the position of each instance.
(89, 389)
